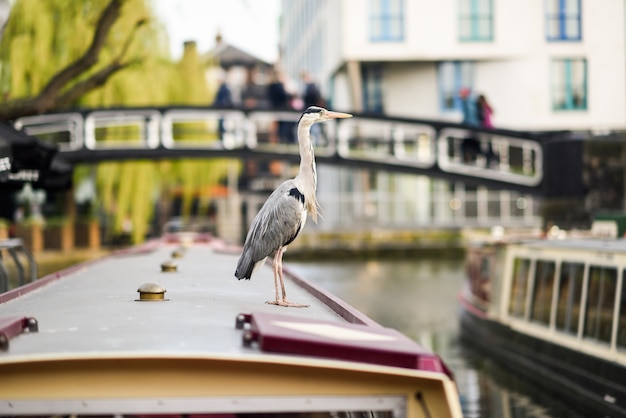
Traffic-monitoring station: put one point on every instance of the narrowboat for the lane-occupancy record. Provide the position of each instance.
(166, 329)
(552, 311)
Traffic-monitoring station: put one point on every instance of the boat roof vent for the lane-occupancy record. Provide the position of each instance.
(168, 266)
(151, 292)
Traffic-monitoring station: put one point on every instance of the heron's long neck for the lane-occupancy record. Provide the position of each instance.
(307, 175)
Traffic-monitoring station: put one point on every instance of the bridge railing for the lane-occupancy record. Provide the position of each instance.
(507, 157)
(277, 130)
(66, 130)
(388, 141)
(451, 148)
(112, 129)
(196, 128)
(489, 154)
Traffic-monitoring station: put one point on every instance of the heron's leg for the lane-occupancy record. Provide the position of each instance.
(280, 272)
(278, 278)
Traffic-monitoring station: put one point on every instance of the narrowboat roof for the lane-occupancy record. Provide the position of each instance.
(592, 244)
(93, 313)
(96, 307)
(575, 243)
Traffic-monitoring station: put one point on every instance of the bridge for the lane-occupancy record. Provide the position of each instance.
(499, 159)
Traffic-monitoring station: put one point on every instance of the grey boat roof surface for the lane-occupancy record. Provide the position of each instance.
(204, 299)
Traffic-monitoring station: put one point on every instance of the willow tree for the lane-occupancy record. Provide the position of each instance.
(54, 52)
(60, 54)
(196, 178)
(182, 83)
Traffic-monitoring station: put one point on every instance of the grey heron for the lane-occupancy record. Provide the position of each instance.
(285, 211)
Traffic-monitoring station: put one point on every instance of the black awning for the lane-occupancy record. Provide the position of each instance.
(59, 176)
(24, 159)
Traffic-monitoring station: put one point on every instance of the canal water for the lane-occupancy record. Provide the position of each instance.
(419, 298)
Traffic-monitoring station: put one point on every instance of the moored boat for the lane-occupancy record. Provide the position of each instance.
(553, 312)
(165, 328)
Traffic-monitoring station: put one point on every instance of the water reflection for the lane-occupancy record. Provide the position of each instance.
(419, 298)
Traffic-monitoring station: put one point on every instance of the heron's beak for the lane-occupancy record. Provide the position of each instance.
(337, 115)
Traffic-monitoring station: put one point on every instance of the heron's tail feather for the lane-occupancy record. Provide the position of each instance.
(246, 266)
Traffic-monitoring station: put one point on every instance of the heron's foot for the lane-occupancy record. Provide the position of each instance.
(286, 304)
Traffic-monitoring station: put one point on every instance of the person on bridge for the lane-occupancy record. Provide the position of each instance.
(469, 108)
(312, 97)
(477, 113)
(223, 98)
(280, 99)
(485, 111)
(470, 145)
(484, 116)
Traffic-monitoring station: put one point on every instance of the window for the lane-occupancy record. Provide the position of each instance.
(372, 88)
(569, 84)
(600, 301)
(563, 20)
(621, 320)
(568, 299)
(476, 20)
(452, 76)
(386, 20)
(517, 302)
(542, 292)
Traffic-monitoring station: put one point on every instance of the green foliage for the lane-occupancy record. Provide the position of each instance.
(131, 201)
(32, 50)
(192, 88)
(42, 37)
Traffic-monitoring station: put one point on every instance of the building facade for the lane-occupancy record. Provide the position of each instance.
(543, 64)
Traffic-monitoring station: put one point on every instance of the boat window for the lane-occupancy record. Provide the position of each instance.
(600, 301)
(621, 324)
(568, 299)
(517, 303)
(542, 292)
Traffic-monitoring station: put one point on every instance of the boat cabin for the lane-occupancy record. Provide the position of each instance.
(570, 292)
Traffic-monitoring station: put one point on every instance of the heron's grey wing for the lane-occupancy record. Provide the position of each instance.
(278, 222)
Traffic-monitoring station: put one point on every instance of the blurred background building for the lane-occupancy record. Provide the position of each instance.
(543, 64)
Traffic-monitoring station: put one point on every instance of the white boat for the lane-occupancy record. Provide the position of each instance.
(196, 341)
(554, 312)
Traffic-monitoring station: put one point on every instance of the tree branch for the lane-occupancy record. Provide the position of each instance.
(100, 78)
(18, 108)
(110, 14)
(52, 96)
(94, 81)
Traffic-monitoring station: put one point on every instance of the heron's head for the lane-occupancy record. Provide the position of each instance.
(319, 114)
